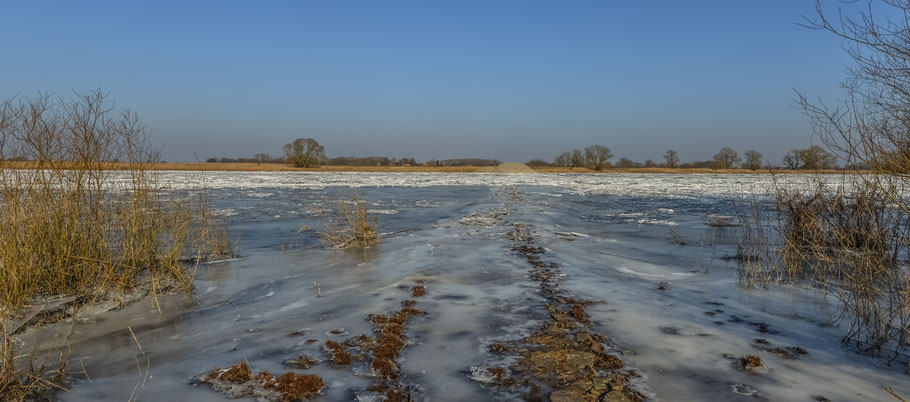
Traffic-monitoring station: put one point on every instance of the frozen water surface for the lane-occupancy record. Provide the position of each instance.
(609, 233)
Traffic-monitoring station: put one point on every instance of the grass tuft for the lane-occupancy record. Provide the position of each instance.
(352, 226)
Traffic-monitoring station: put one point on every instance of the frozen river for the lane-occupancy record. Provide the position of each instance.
(671, 312)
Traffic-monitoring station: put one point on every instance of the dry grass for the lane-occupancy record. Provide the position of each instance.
(678, 171)
(853, 243)
(351, 227)
(278, 167)
(28, 377)
(71, 226)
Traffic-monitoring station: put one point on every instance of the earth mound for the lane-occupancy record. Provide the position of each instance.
(509, 167)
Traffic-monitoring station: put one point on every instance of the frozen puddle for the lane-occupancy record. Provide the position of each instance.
(501, 258)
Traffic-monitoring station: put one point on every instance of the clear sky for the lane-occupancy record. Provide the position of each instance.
(513, 80)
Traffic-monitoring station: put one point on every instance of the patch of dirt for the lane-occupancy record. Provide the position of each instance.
(508, 167)
(418, 291)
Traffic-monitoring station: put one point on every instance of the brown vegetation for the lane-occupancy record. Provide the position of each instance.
(337, 353)
(848, 240)
(678, 170)
(238, 381)
(418, 291)
(293, 386)
(23, 377)
(563, 353)
(749, 362)
(70, 226)
(352, 227)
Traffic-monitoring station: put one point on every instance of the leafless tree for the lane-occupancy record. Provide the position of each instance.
(578, 158)
(753, 159)
(304, 152)
(596, 157)
(793, 159)
(262, 158)
(627, 163)
(727, 158)
(564, 159)
(672, 158)
(816, 157)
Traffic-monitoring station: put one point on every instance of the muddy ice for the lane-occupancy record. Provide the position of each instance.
(670, 313)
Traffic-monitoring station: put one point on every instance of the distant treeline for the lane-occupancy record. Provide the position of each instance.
(306, 152)
(597, 157)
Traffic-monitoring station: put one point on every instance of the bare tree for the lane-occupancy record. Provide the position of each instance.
(793, 159)
(578, 158)
(304, 152)
(262, 158)
(672, 158)
(627, 163)
(596, 157)
(564, 159)
(753, 159)
(816, 157)
(727, 158)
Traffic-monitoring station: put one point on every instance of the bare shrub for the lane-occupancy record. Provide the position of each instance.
(856, 246)
(853, 239)
(757, 259)
(351, 226)
(69, 224)
(850, 240)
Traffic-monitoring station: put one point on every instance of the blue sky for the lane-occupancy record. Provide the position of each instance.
(513, 80)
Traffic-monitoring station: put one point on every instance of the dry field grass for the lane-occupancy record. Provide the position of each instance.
(678, 171)
(277, 167)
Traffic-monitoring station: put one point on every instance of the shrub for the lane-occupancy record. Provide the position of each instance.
(850, 240)
(69, 224)
(351, 227)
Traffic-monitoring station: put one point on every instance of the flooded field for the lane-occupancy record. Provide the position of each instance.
(487, 287)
